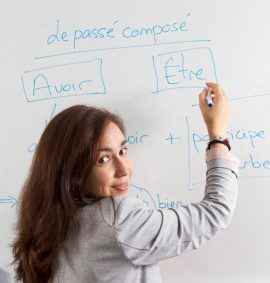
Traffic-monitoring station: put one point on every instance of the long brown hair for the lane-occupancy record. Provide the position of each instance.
(53, 192)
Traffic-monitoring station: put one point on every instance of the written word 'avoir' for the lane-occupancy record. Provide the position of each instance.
(72, 79)
(135, 139)
(41, 84)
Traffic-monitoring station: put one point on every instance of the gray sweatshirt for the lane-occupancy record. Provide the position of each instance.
(120, 240)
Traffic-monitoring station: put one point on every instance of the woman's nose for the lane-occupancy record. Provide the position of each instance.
(122, 168)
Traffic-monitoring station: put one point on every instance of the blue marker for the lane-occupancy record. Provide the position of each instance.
(209, 97)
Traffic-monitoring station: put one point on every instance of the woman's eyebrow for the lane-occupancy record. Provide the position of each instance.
(109, 149)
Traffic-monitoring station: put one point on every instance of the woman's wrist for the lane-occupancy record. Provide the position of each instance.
(218, 152)
(220, 141)
(213, 134)
(219, 145)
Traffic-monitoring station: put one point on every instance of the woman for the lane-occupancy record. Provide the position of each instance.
(77, 222)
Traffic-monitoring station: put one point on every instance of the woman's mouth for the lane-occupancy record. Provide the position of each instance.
(121, 187)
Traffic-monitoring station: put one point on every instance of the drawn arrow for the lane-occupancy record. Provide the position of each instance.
(145, 191)
(9, 199)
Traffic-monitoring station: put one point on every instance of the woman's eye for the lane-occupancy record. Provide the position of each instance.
(103, 159)
(123, 151)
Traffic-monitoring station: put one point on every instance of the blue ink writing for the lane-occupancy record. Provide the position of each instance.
(155, 30)
(171, 138)
(248, 135)
(135, 139)
(255, 164)
(95, 33)
(61, 88)
(167, 204)
(56, 37)
(177, 69)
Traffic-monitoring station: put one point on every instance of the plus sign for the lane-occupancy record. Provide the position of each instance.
(171, 138)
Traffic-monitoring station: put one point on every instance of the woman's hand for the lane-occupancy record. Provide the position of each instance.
(217, 117)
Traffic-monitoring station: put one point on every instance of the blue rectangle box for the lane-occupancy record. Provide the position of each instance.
(59, 81)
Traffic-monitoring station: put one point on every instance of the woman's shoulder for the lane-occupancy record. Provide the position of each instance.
(127, 200)
(121, 203)
(119, 207)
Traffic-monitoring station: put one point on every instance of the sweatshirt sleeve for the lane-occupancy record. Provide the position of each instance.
(147, 236)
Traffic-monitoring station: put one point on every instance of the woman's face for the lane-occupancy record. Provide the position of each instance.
(112, 172)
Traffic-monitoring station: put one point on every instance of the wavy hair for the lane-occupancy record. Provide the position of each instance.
(53, 191)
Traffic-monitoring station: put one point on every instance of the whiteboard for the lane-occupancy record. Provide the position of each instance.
(147, 61)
